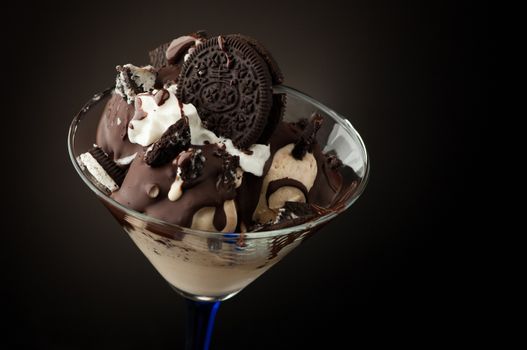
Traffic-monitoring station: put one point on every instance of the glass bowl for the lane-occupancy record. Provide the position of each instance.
(214, 266)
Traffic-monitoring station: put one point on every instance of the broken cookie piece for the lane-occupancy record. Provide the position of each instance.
(230, 175)
(291, 214)
(190, 164)
(102, 168)
(132, 80)
(173, 141)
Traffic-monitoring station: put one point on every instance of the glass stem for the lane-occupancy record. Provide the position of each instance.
(200, 322)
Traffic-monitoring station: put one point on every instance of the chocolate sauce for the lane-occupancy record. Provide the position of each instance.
(181, 111)
(277, 184)
(139, 114)
(220, 218)
(161, 96)
(221, 44)
(199, 193)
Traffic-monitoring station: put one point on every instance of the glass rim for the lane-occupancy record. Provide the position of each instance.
(345, 123)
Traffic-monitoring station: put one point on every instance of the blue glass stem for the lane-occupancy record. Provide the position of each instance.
(200, 322)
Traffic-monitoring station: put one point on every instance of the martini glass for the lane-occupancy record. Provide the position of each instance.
(208, 267)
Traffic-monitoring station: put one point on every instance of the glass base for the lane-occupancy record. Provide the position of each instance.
(203, 298)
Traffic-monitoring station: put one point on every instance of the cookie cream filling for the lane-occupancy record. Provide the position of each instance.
(87, 161)
(157, 119)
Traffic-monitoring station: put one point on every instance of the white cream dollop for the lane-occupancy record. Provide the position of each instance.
(159, 118)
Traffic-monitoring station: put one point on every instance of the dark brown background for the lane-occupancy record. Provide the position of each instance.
(409, 76)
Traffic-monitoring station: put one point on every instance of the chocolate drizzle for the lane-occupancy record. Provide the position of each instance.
(139, 114)
(247, 198)
(277, 184)
(161, 96)
(221, 44)
(220, 218)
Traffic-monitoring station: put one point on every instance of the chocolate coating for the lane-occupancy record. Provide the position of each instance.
(112, 134)
(200, 192)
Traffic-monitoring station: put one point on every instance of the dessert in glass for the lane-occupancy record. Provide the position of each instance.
(214, 167)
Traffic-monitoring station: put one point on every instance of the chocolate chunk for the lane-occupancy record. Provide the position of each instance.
(230, 163)
(308, 138)
(230, 85)
(158, 57)
(293, 210)
(113, 170)
(173, 141)
(191, 164)
(200, 34)
(333, 161)
(301, 123)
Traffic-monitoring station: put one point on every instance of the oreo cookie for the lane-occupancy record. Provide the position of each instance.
(230, 84)
(102, 168)
(279, 100)
(276, 73)
(275, 117)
